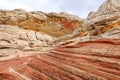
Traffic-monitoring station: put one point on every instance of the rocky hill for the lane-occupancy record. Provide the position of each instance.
(32, 31)
(104, 23)
(59, 46)
(54, 24)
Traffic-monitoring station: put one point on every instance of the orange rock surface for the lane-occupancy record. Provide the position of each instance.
(54, 24)
(90, 60)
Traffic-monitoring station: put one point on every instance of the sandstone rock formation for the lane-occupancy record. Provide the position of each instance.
(105, 18)
(22, 31)
(51, 46)
(104, 23)
(81, 61)
(14, 40)
(52, 23)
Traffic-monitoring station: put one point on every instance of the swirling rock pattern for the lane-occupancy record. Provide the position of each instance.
(91, 60)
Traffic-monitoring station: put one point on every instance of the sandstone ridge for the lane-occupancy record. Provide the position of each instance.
(55, 24)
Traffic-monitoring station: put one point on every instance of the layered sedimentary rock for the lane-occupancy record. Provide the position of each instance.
(14, 40)
(106, 18)
(104, 23)
(40, 46)
(22, 31)
(91, 60)
(52, 23)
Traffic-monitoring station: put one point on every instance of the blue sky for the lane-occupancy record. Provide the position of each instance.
(80, 8)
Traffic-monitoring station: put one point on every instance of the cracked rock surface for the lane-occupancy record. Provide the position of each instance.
(13, 40)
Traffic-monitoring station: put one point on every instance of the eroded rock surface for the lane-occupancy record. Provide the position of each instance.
(40, 46)
(22, 31)
(14, 40)
(52, 23)
(105, 18)
(91, 60)
(104, 23)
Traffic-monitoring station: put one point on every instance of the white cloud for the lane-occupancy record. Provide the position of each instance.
(6, 4)
(77, 7)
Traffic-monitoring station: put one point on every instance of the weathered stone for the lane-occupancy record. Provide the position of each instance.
(12, 37)
(39, 21)
(86, 49)
(91, 60)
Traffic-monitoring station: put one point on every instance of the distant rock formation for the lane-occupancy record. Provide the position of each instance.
(104, 20)
(52, 23)
(108, 12)
(104, 23)
(30, 31)
(108, 7)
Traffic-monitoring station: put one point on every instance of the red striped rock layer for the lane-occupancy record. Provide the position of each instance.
(91, 60)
